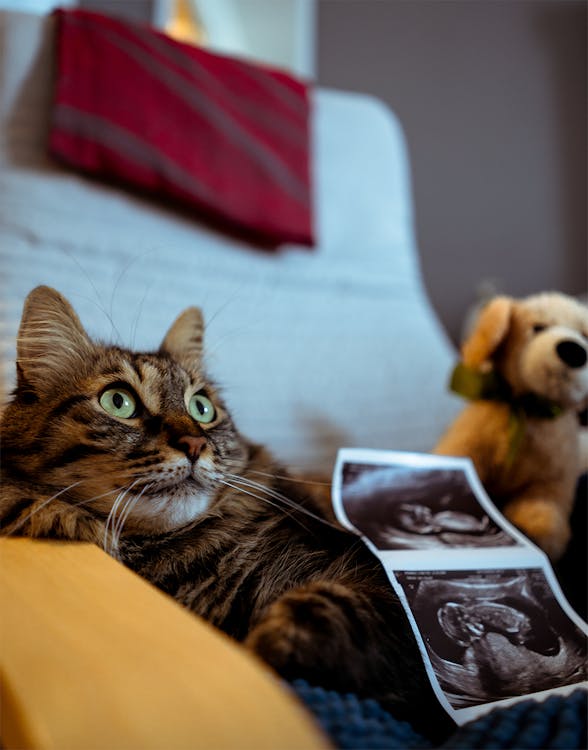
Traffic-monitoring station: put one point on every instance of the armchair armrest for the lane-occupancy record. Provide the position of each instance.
(92, 656)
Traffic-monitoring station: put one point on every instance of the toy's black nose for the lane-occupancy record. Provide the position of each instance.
(571, 353)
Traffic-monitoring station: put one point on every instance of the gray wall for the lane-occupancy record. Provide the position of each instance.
(136, 10)
(492, 95)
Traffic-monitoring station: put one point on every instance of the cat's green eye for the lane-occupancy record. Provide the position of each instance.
(119, 402)
(201, 408)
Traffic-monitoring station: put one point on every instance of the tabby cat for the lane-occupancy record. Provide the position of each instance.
(137, 453)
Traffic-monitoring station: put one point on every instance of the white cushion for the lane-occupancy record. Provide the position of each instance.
(315, 349)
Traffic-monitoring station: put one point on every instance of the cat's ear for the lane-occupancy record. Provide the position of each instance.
(51, 340)
(184, 340)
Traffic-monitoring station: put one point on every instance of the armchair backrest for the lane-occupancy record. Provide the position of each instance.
(314, 349)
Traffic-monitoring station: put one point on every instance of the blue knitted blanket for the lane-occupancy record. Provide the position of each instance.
(558, 723)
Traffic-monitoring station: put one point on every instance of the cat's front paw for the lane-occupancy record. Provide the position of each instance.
(307, 632)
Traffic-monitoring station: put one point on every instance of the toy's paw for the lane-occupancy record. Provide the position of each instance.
(303, 631)
(543, 522)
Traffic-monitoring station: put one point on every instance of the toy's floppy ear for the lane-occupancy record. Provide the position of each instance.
(490, 331)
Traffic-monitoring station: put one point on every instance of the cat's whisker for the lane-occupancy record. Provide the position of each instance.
(123, 501)
(139, 258)
(97, 497)
(98, 301)
(246, 489)
(128, 505)
(116, 284)
(44, 504)
(109, 528)
(106, 545)
(126, 512)
(283, 498)
(230, 300)
(85, 501)
(263, 488)
(226, 338)
(290, 479)
(285, 477)
(138, 314)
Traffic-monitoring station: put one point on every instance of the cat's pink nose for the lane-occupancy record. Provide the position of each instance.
(191, 445)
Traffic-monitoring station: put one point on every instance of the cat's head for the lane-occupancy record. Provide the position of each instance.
(101, 427)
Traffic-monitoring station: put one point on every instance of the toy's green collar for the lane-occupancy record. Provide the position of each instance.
(489, 386)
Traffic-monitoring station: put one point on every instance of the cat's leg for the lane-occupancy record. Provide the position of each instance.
(350, 638)
(318, 631)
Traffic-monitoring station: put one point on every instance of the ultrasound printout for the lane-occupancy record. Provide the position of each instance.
(488, 614)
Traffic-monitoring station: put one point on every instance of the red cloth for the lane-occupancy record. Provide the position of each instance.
(224, 136)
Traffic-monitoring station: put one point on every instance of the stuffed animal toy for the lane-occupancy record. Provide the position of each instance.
(525, 369)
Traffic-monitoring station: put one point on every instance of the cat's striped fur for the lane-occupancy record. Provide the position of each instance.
(194, 507)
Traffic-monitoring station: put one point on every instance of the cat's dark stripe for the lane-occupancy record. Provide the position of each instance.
(113, 370)
(123, 358)
(227, 589)
(24, 392)
(96, 436)
(97, 424)
(144, 463)
(21, 445)
(236, 621)
(14, 512)
(79, 418)
(74, 454)
(134, 363)
(11, 473)
(65, 406)
(137, 454)
(152, 425)
(63, 409)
